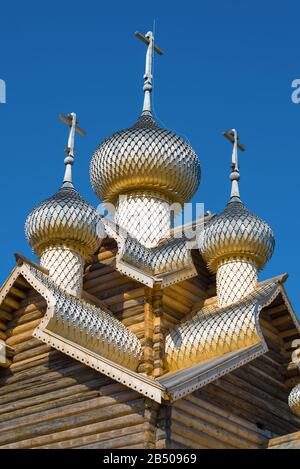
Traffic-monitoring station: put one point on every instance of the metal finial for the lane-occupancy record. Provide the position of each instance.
(72, 122)
(232, 136)
(149, 40)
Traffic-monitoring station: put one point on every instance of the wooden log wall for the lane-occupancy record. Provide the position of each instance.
(48, 400)
(56, 402)
(122, 295)
(243, 409)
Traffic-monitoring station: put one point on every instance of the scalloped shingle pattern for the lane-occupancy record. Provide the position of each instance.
(65, 216)
(235, 232)
(145, 157)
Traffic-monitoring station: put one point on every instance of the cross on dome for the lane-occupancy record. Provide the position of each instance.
(71, 121)
(233, 137)
(148, 39)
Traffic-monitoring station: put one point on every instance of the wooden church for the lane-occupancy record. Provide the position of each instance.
(132, 334)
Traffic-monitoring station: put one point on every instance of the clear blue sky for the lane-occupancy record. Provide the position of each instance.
(227, 64)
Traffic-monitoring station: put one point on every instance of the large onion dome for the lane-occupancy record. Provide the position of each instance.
(145, 157)
(237, 232)
(64, 217)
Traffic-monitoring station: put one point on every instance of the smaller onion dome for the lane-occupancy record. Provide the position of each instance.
(65, 218)
(294, 400)
(236, 232)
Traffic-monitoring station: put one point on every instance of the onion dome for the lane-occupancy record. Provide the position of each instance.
(64, 217)
(145, 157)
(237, 232)
(294, 400)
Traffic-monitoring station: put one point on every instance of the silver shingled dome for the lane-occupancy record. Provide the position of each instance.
(236, 232)
(64, 217)
(145, 157)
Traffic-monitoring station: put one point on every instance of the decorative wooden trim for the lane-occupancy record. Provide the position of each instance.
(159, 331)
(138, 382)
(183, 382)
(148, 364)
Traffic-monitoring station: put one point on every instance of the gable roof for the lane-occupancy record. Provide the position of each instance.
(172, 261)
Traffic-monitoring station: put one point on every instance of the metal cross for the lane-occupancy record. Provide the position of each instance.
(148, 39)
(71, 121)
(233, 137)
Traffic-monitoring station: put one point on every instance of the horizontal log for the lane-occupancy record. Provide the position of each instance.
(107, 254)
(79, 436)
(118, 280)
(31, 362)
(17, 339)
(18, 293)
(132, 441)
(27, 345)
(46, 401)
(98, 271)
(245, 408)
(221, 438)
(36, 306)
(284, 439)
(244, 435)
(185, 293)
(254, 434)
(276, 309)
(105, 279)
(180, 442)
(26, 318)
(133, 294)
(126, 305)
(282, 320)
(14, 331)
(52, 414)
(45, 382)
(109, 433)
(178, 297)
(175, 304)
(130, 312)
(260, 398)
(4, 315)
(32, 352)
(92, 415)
(5, 364)
(9, 301)
(192, 436)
